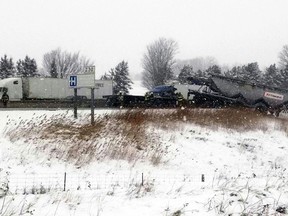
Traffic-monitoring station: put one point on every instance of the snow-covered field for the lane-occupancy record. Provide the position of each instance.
(176, 168)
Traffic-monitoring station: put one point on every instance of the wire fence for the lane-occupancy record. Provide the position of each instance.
(40, 183)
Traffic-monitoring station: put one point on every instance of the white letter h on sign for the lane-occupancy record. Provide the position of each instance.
(73, 80)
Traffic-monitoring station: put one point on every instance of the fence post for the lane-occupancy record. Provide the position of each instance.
(202, 178)
(65, 181)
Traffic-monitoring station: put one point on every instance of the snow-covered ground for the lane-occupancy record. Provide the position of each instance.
(203, 170)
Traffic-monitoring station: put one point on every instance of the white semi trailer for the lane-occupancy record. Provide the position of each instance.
(49, 88)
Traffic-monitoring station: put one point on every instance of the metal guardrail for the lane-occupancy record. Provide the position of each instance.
(98, 103)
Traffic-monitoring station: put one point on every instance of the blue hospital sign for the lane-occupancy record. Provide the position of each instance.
(81, 81)
(73, 81)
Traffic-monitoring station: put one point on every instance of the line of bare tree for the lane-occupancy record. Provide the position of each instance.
(59, 64)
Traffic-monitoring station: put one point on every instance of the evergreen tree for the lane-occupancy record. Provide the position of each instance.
(251, 72)
(121, 80)
(272, 76)
(234, 72)
(200, 73)
(53, 69)
(215, 69)
(7, 68)
(185, 72)
(30, 66)
(284, 77)
(106, 77)
(26, 67)
(20, 68)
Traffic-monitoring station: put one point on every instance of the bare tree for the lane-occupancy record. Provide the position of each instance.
(60, 63)
(158, 62)
(283, 57)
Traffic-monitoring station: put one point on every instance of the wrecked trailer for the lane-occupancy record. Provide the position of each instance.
(221, 91)
(124, 100)
(159, 96)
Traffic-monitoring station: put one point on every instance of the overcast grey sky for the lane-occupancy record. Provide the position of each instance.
(109, 31)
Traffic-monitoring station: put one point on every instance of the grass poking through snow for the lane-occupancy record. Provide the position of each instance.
(126, 134)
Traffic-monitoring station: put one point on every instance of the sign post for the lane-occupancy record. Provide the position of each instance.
(75, 103)
(73, 84)
(86, 80)
(92, 106)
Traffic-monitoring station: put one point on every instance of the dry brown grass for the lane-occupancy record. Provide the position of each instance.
(124, 135)
(235, 119)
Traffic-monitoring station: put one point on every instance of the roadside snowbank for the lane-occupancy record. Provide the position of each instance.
(204, 171)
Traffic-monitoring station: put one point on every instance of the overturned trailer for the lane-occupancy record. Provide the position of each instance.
(220, 91)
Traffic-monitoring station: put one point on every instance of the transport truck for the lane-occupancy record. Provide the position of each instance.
(36, 88)
(220, 91)
(216, 91)
(159, 96)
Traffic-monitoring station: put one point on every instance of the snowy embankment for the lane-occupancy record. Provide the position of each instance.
(143, 162)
